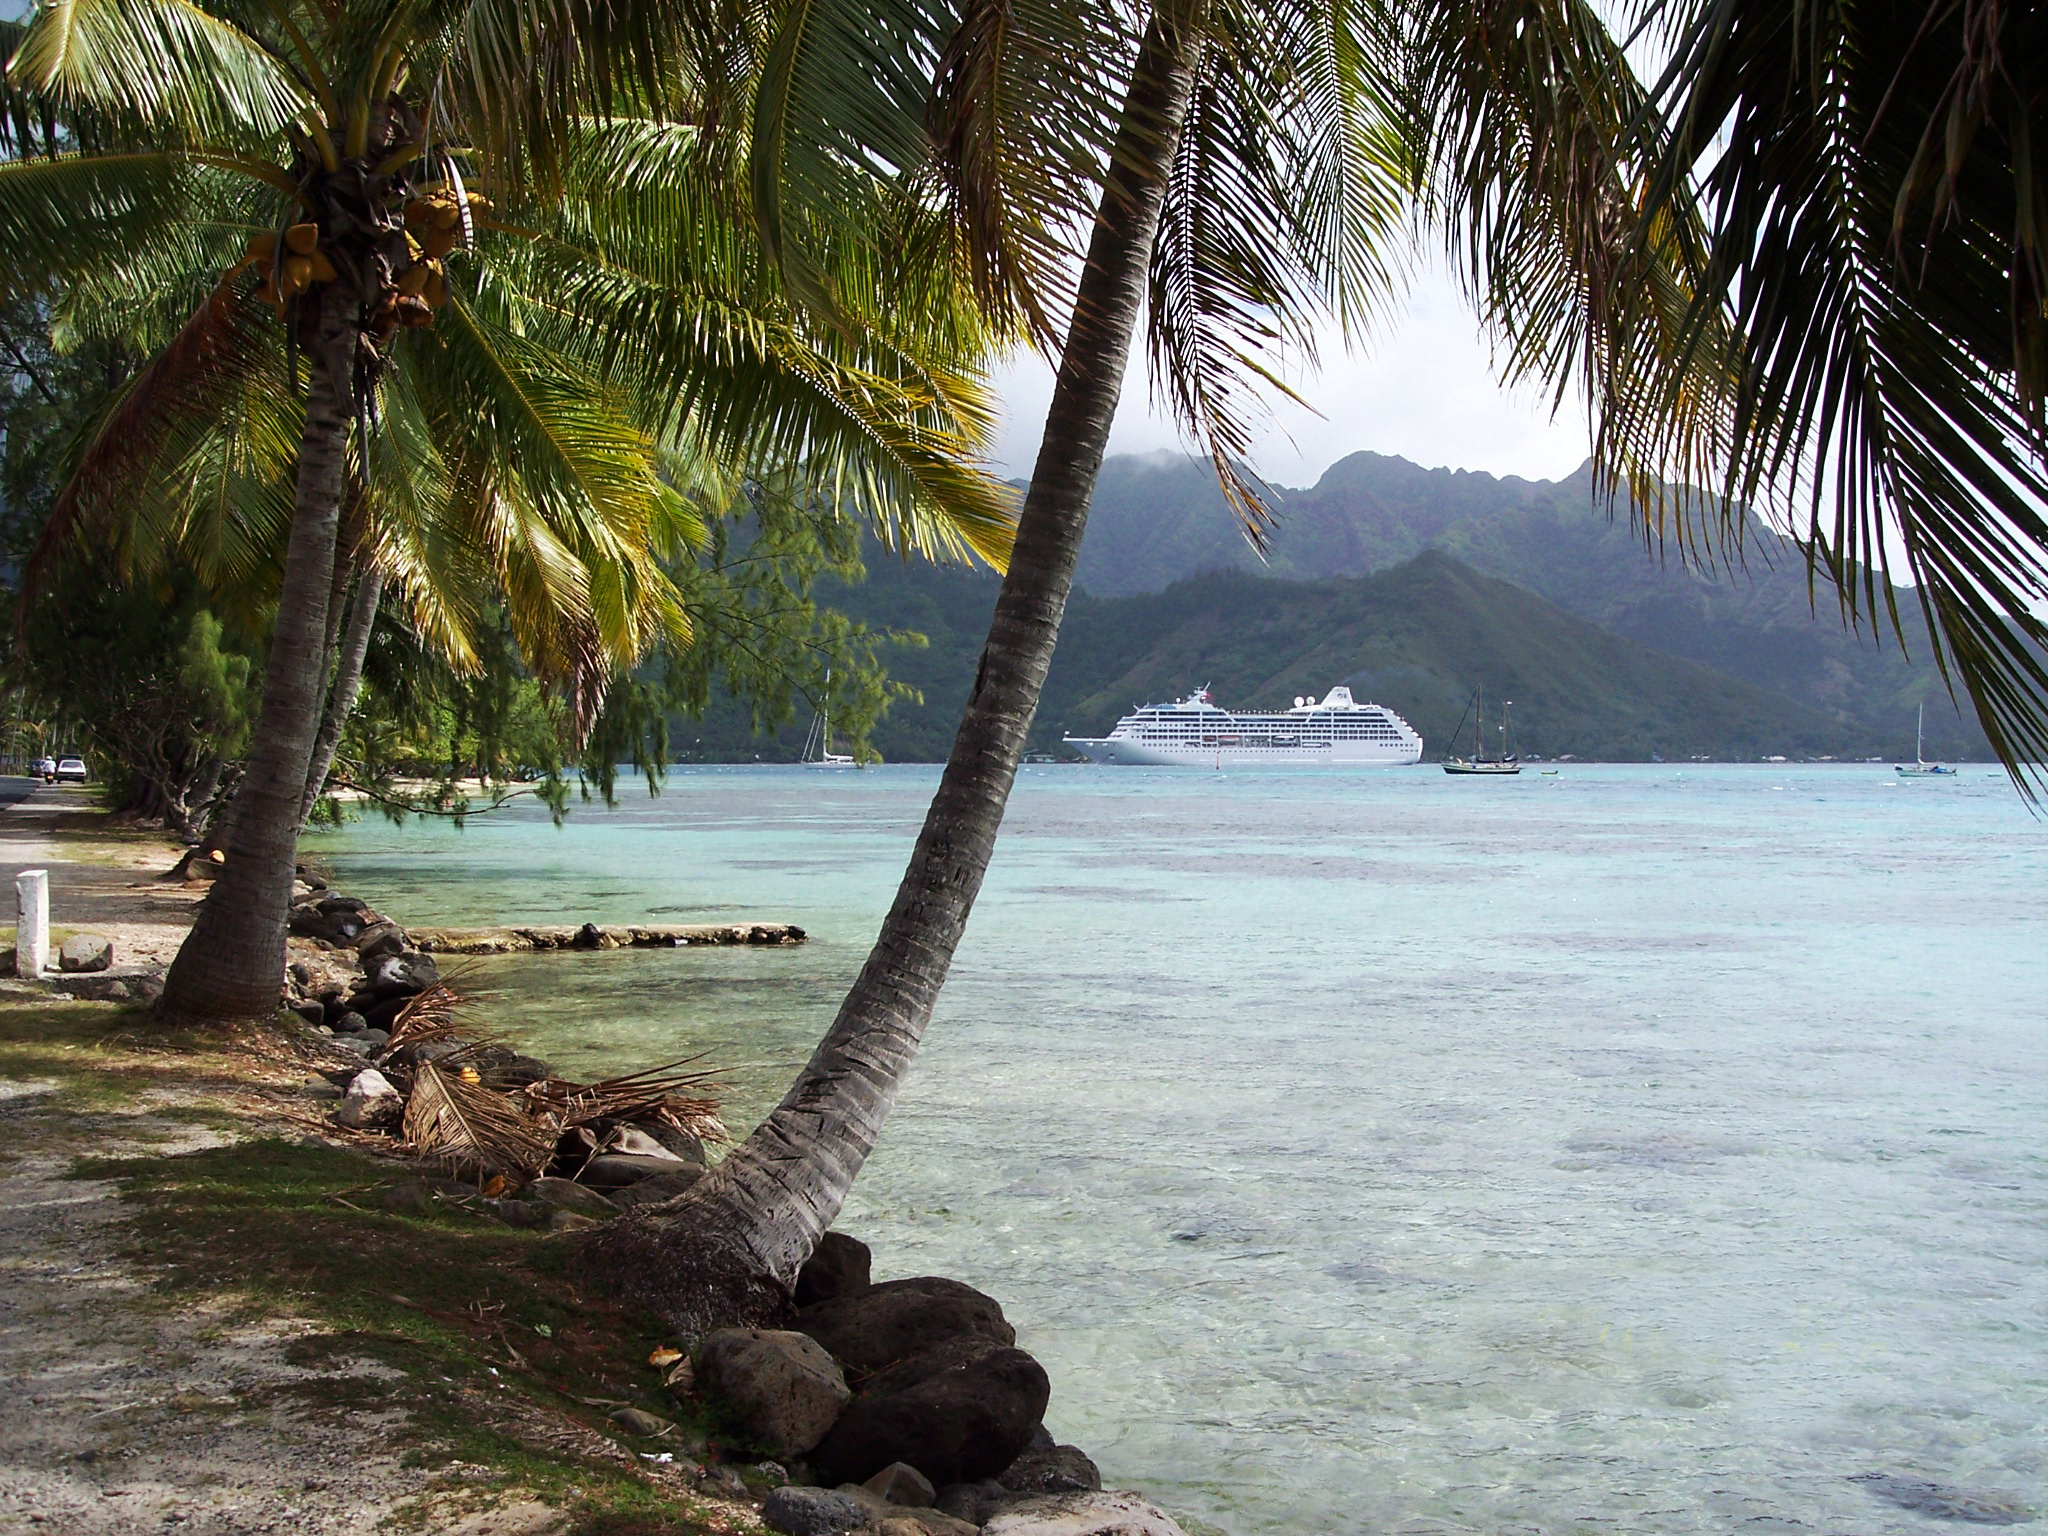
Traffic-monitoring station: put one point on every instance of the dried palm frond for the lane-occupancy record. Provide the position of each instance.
(468, 1125)
(664, 1094)
(429, 1016)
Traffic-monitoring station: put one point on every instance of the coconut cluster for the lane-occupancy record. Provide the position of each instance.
(297, 259)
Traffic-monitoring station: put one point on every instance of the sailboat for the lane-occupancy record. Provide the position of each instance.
(818, 751)
(1479, 762)
(1922, 769)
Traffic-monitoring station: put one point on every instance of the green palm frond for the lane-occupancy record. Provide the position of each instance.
(1021, 117)
(153, 422)
(842, 90)
(1879, 239)
(69, 215)
(652, 277)
(1536, 142)
(167, 63)
(1288, 195)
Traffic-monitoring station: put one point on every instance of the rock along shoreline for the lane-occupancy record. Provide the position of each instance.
(899, 1408)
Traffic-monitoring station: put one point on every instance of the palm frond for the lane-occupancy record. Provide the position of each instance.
(173, 400)
(667, 1093)
(167, 63)
(1285, 207)
(67, 215)
(1537, 143)
(1021, 118)
(1876, 220)
(473, 1126)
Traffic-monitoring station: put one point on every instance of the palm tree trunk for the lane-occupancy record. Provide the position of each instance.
(730, 1249)
(231, 964)
(348, 682)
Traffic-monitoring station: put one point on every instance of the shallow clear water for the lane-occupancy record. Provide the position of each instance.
(1636, 1149)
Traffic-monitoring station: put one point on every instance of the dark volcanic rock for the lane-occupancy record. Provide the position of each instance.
(885, 1323)
(838, 1266)
(958, 1412)
(783, 1388)
(401, 975)
(812, 1512)
(974, 1502)
(570, 1196)
(901, 1483)
(652, 1191)
(1061, 1469)
(615, 1170)
(379, 940)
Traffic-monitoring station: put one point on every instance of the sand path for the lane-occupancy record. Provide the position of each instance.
(101, 880)
(125, 1412)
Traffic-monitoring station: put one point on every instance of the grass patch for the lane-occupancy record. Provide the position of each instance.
(106, 1056)
(495, 1351)
(504, 1366)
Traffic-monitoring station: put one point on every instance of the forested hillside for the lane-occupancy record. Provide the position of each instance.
(1159, 518)
(1414, 586)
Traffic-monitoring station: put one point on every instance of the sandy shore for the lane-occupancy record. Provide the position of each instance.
(155, 1380)
(102, 880)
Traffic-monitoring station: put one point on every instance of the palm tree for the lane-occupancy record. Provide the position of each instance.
(357, 141)
(1256, 176)
(1876, 252)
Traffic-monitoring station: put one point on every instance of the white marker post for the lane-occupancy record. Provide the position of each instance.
(32, 924)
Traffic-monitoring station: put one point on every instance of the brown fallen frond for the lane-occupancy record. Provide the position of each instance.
(469, 1125)
(658, 1094)
(429, 1016)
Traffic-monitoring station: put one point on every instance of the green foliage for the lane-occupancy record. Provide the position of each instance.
(1160, 519)
(430, 739)
(1873, 279)
(148, 682)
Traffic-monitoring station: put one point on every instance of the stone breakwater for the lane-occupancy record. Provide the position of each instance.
(507, 941)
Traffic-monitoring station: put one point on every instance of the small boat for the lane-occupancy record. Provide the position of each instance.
(1479, 763)
(818, 751)
(1922, 769)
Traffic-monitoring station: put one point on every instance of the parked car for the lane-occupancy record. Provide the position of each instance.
(71, 770)
(46, 769)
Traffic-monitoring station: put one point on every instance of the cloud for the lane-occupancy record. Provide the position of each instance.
(1422, 387)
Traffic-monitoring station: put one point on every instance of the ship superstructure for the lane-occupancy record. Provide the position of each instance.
(1335, 730)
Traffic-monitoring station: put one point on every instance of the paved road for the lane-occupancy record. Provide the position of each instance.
(14, 791)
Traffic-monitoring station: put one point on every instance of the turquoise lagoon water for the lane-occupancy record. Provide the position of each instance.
(1638, 1149)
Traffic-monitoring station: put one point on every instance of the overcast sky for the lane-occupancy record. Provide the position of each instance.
(1423, 388)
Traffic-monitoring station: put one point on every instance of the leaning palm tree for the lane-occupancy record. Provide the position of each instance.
(369, 146)
(1255, 171)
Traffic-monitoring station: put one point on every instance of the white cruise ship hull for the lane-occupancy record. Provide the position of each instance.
(1342, 754)
(1335, 732)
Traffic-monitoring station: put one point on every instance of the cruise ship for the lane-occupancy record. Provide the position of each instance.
(1333, 731)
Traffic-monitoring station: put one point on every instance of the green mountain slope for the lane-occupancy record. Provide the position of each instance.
(1158, 518)
(1420, 638)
